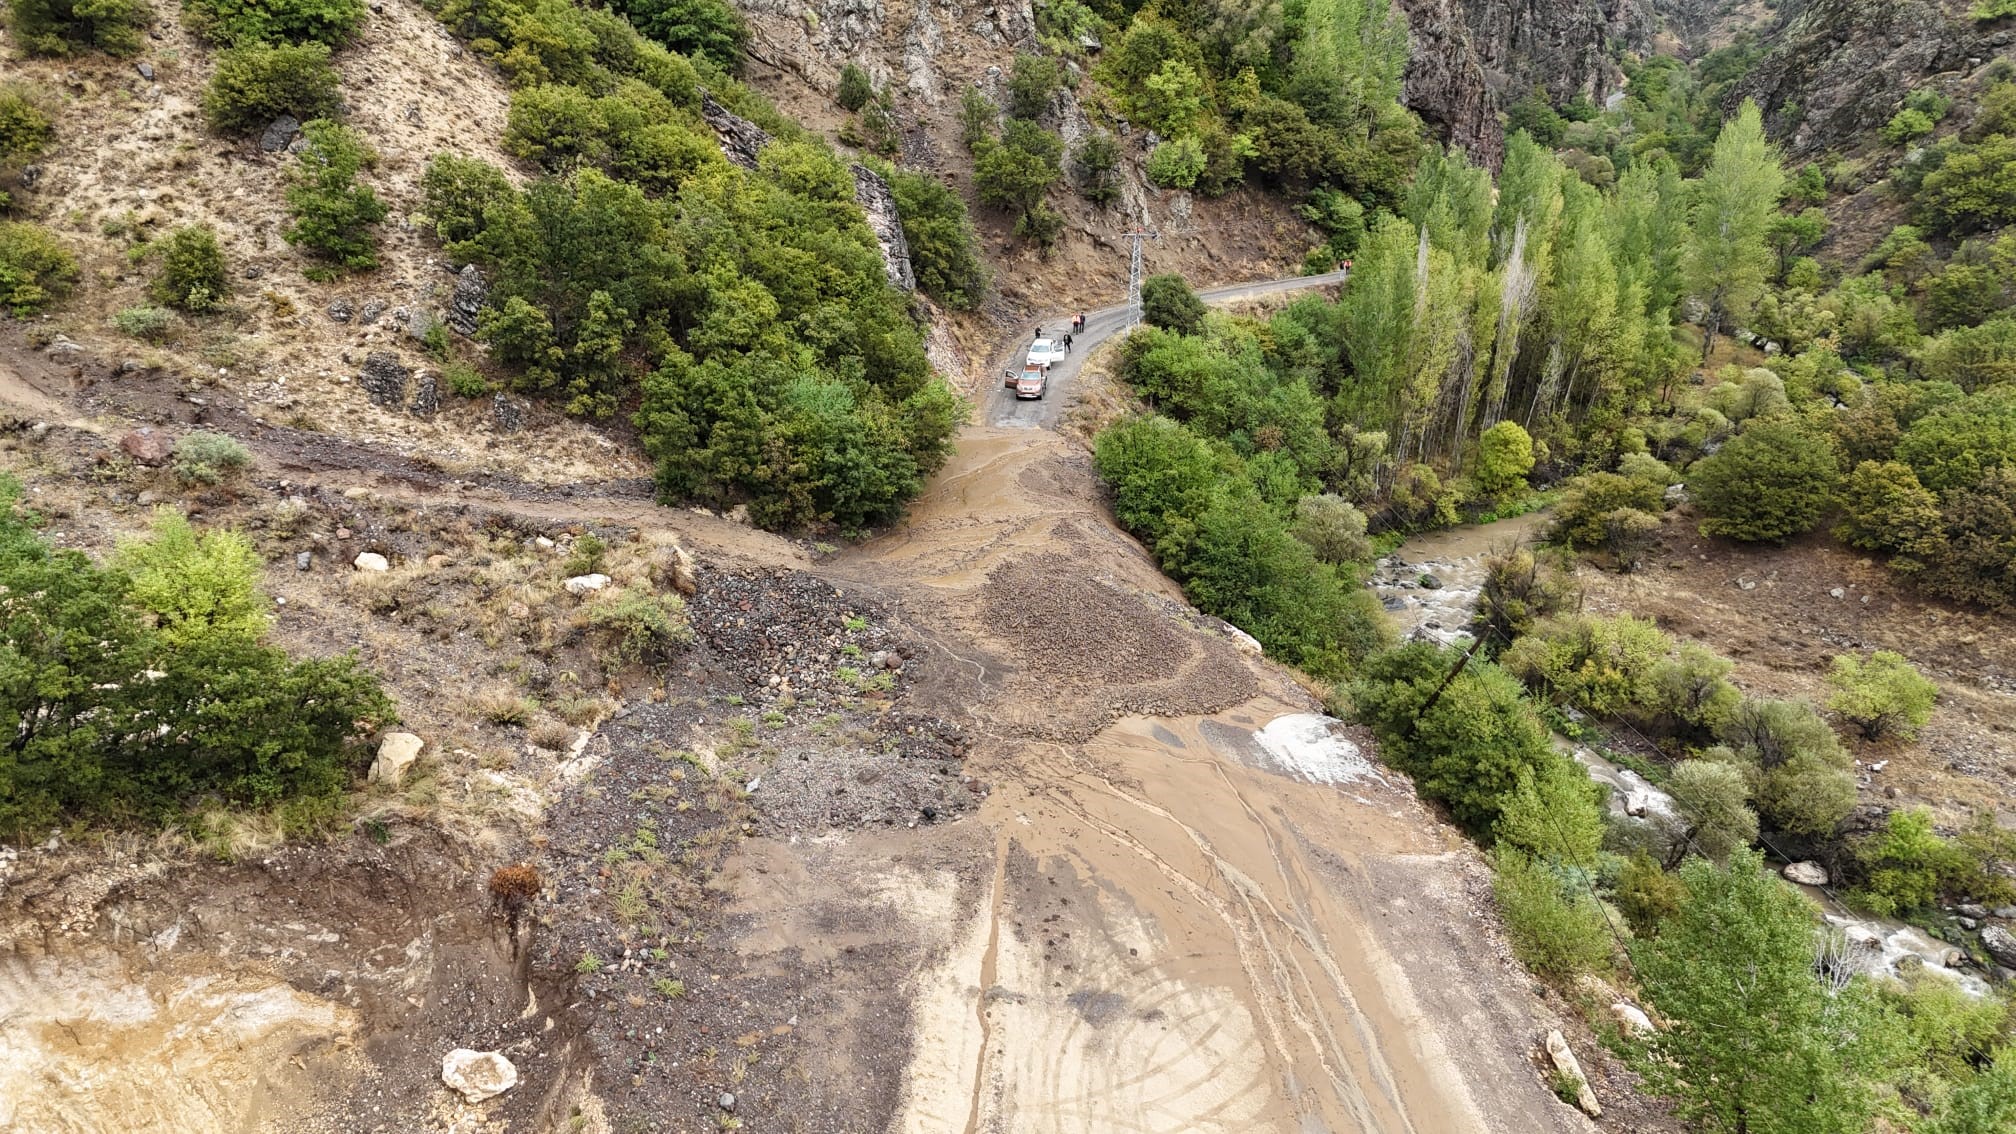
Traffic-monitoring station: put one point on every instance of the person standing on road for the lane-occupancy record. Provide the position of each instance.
(1067, 342)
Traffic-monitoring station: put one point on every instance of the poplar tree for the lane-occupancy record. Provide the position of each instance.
(1729, 258)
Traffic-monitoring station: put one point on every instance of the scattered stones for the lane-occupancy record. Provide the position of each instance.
(370, 561)
(1430, 582)
(508, 413)
(478, 1075)
(727, 1101)
(146, 70)
(304, 560)
(384, 378)
(279, 134)
(583, 584)
(885, 659)
(396, 753)
(2001, 945)
(1837, 592)
(471, 293)
(426, 396)
(62, 344)
(1806, 874)
(370, 312)
(1969, 924)
(1973, 910)
(147, 447)
(1631, 1019)
(1565, 1062)
(341, 311)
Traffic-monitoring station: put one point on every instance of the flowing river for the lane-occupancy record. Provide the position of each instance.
(1430, 587)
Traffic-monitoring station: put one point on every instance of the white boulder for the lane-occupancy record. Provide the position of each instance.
(396, 753)
(583, 584)
(1565, 1062)
(370, 561)
(478, 1075)
(1631, 1019)
(1806, 873)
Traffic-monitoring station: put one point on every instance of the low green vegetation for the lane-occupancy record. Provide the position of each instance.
(333, 215)
(35, 268)
(231, 23)
(190, 272)
(67, 27)
(257, 82)
(135, 690)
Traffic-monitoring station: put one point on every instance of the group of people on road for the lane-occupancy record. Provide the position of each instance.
(1077, 328)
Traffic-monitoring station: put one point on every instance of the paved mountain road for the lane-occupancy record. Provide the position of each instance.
(1001, 407)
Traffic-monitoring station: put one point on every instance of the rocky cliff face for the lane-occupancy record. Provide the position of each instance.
(1839, 68)
(1469, 58)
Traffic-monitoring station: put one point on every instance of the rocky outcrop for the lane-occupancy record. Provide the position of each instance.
(1840, 68)
(880, 206)
(470, 294)
(384, 379)
(478, 1075)
(396, 755)
(742, 140)
(1467, 59)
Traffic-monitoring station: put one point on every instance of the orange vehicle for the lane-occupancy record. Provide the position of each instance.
(1032, 382)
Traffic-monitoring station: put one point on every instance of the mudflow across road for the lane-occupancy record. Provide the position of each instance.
(1172, 912)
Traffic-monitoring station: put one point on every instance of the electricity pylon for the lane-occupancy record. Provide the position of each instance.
(1134, 273)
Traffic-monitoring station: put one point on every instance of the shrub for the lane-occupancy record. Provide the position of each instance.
(464, 380)
(1504, 457)
(586, 557)
(1606, 666)
(1884, 508)
(1519, 589)
(1954, 445)
(235, 22)
(1973, 188)
(62, 27)
(1882, 696)
(1692, 690)
(1906, 125)
(1971, 358)
(333, 215)
(458, 191)
(1986, 1103)
(1177, 163)
(149, 323)
(637, 626)
(1017, 170)
(1773, 481)
(1553, 813)
(198, 587)
(855, 88)
(257, 83)
(1583, 518)
(1976, 556)
(1714, 798)
(1910, 867)
(1800, 773)
(204, 457)
(556, 125)
(1556, 927)
(1167, 302)
(1646, 895)
(191, 275)
(977, 118)
(35, 268)
(24, 129)
(1333, 529)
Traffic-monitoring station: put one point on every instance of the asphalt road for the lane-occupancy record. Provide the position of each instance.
(1002, 407)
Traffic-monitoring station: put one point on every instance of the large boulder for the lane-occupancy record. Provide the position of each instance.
(583, 584)
(478, 1075)
(371, 561)
(147, 447)
(471, 293)
(1806, 873)
(396, 753)
(1631, 1019)
(384, 378)
(2001, 945)
(1565, 1062)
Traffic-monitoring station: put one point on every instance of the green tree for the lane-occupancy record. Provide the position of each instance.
(1773, 481)
(944, 249)
(1882, 696)
(1985, 1104)
(1972, 358)
(1756, 1043)
(1168, 302)
(234, 22)
(1032, 83)
(1504, 457)
(855, 88)
(1096, 159)
(700, 29)
(1177, 163)
(1552, 813)
(191, 275)
(1728, 258)
(1016, 171)
(256, 83)
(1176, 98)
(196, 586)
(64, 27)
(1973, 188)
(1557, 928)
(977, 119)
(556, 125)
(1333, 529)
(1954, 445)
(1713, 799)
(24, 128)
(333, 214)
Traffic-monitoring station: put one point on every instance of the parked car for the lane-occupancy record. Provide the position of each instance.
(1032, 382)
(1043, 352)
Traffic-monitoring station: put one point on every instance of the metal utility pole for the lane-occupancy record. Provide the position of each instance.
(1134, 274)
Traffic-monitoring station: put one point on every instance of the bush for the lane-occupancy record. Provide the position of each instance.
(464, 380)
(944, 249)
(35, 268)
(1333, 529)
(1973, 188)
(557, 126)
(1773, 481)
(1504, 457)
(1586, 513)
(236, 22)
(63, 27)
(1017, 170)
(855, 88)
(1554, 813)
(148, 323)
(977, 118)
(1031, 85)
(638, 626)
(1519, 589)
(333, 215)
(1909, 867)
(1906, 125)
(1976, 556)
(458, 192)
(1167, 302)
(1177, 163)
(257, 83)
(1972, 358)
(1800, 774)
(1884, 508)
(1605, 666)
(24, 129)
(1714, 799)
(198, 587)
(1556, 927)
(204, 457)
(1646, 895)
(1882, 696)
(191, 275)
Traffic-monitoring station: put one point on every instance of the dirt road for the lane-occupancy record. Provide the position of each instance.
(1001, 406)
